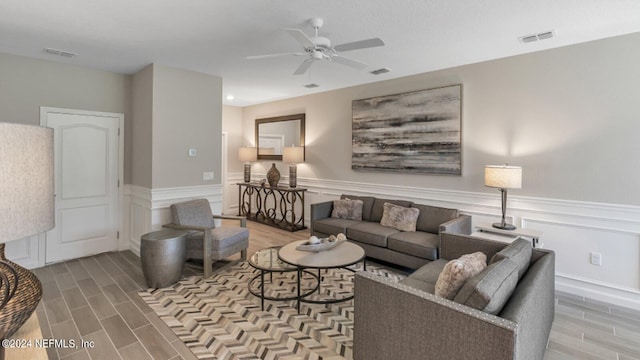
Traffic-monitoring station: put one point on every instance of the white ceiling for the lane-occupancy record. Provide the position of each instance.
(215, 36)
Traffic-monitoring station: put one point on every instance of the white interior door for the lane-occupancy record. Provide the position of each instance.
(86, 152)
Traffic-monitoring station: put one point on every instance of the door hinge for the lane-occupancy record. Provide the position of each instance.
(118, 182)
(118, 235)
(118, 131)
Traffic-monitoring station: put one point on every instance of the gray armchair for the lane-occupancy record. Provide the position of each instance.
(206, 241)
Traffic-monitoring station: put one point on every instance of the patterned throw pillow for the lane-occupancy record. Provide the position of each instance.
(456, 272)
(399, 217)
(347, 209)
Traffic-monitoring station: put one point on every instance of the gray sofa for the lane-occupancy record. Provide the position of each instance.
(407, 321)
(406, 248)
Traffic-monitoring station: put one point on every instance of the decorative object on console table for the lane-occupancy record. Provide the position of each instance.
(280, 206)
(293, 156)
(273, 176)
(247, 155)
(503, 177)
(26, 209)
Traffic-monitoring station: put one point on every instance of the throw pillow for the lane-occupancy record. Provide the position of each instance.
(456, 272)
(490, 290)
(399, 217)
(519, 251)
(347, 209)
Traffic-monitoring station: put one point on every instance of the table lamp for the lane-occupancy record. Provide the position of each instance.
(293, 156)
(247, 155)
(503, 177)
(26, 208)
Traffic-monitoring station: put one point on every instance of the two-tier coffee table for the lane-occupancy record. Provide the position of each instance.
(267, 261)
(341, 256)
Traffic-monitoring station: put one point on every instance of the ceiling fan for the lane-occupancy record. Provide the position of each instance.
(319, 48)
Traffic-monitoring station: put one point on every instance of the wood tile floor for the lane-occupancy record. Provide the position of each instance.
(95, 299)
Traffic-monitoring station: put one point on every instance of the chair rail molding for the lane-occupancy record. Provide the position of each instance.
(573, 229)
(149, 208)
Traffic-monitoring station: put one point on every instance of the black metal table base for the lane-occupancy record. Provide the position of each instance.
(302, 297)
(264, 297)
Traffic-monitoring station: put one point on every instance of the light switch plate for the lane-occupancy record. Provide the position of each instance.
(207, 175)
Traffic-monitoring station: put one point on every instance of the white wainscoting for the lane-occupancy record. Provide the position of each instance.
(149, 208)
(572, 229)
(26, 252)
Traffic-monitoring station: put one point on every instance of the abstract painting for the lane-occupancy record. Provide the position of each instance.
(417, 132)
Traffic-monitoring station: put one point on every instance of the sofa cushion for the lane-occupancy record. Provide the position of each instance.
(490, 290)
(370, 233)
(367, 204)
(456, 273)
(429, 273)
(347, 209)
(432, 216)
(398, 217)
(378, 207)
(417, 243)
(419, 284)
(331, 226)
(519, 251)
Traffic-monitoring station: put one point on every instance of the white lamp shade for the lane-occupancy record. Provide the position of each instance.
(26, 181)
(503, 176)
(247, 154)
(293, 155)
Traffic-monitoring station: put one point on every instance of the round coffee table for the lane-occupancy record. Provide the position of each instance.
(341, 256)
(267, 261)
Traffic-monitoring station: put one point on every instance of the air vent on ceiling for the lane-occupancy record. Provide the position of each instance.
(380, 71)
(311, 86)
(60, 52)
(535, 37)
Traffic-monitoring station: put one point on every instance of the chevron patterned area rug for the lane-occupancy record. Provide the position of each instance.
(219, 318)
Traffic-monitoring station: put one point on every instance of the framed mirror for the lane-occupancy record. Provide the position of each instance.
(273, 134)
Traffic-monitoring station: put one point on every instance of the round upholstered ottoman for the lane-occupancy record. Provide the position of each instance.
(163, 254)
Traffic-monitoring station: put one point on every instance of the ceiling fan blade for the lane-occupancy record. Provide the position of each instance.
(362, 44)
(303, 67)
(301, 37)
(356, 64)
(253, 57)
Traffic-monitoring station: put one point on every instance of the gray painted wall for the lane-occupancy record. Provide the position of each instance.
(27, 84)
(142, 128)
(568, 116)
(187, 113)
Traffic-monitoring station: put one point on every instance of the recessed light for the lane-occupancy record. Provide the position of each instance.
(311, 86)
(230, 97)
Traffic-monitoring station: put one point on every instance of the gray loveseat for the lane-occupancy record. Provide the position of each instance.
(407, 321)
(406, 248)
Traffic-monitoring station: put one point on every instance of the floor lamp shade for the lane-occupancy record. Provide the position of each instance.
(26, 181)
(293, 155)
(26, 208)
(503, 177)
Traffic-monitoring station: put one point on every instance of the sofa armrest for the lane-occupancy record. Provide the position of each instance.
(319, 211)
(459, 225)
(242, 219)
(395, 321)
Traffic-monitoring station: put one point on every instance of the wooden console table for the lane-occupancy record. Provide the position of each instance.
(275, 206)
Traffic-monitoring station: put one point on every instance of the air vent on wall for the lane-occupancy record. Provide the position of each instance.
(60, 52)
(535, 37)
(380, 71)
(311, 86)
